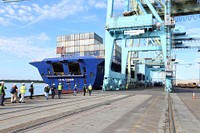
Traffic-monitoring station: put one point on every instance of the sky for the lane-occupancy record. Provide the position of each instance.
(28, 32)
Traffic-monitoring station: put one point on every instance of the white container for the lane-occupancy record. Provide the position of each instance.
(76, 37)
(81, 53)
(72, 37)
(76, 49)
(87, 35)
(82, 42)
(82, 36)
(91, 41)
(82, 48)
(76, 43)
(96, 47)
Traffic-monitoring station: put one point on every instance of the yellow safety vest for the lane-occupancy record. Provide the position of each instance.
(23, 89)
(59, 87)
(1, 90)
(90, 87)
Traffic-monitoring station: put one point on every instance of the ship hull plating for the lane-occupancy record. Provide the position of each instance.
(71, 71)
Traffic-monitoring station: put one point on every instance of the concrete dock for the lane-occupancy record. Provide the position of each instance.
(130, 111)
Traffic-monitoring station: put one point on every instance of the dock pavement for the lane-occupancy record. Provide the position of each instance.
(141, 110)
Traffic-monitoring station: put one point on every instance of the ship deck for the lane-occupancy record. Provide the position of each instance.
(141, 110)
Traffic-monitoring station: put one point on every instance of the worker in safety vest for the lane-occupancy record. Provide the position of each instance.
(60, 87)
(2, 93)
(22, 92)
(90, 89)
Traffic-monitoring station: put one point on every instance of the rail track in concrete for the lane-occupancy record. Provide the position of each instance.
(16, 115)
(137, 111)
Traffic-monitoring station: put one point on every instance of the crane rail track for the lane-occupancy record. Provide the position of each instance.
(42, 121)
(172, 124)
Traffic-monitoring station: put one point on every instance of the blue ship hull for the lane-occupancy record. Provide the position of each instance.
(70, 71)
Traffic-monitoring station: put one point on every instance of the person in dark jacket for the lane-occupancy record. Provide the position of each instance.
(75, 90)
(31, 90)
(46, 91)
(84, 89)
(13, 92)
(53, 89)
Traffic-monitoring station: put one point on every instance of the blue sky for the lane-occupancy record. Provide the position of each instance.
(28, 31)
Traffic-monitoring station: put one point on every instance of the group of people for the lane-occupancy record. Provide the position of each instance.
(85, 89)
(47, 89)
(14, 91)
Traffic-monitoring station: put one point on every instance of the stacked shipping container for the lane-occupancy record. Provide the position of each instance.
(84, 44)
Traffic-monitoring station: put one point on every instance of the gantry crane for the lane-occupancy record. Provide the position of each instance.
(151, 20)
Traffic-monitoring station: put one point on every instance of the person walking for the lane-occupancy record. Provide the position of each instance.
(2, 93)
(46, 91)
(90, 89)
(53, 89)
(13, 92)
(16, 93)
(84, 89)
(60, 87)
(75, 90)
(22, 92)
(31, 90)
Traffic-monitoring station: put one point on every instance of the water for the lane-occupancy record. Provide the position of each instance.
(38, 88)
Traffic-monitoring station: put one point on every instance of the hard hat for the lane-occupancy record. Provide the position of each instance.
(23, 84)
(31, 82)
(46, 85)
(53, 83)
(59, 83)
(14, 84)
(2, 82)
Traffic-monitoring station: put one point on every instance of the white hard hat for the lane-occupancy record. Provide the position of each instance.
(46, 85)
(23, 83)
(2, 82)
(53, 83)
(59, 83)
(14, 84)
(31, 82)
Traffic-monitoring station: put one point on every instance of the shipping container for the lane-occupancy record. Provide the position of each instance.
(82, 44)
(81, 53)
(82, 48)
(82, 36)
(87, 35)
(60, 50)
(76, 49)
(76, 37)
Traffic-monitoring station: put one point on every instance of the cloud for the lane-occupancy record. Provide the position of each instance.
(27, 47)
(35, 12)
(101, 4)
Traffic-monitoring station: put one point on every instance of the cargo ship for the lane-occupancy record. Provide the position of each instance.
(80, 60)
